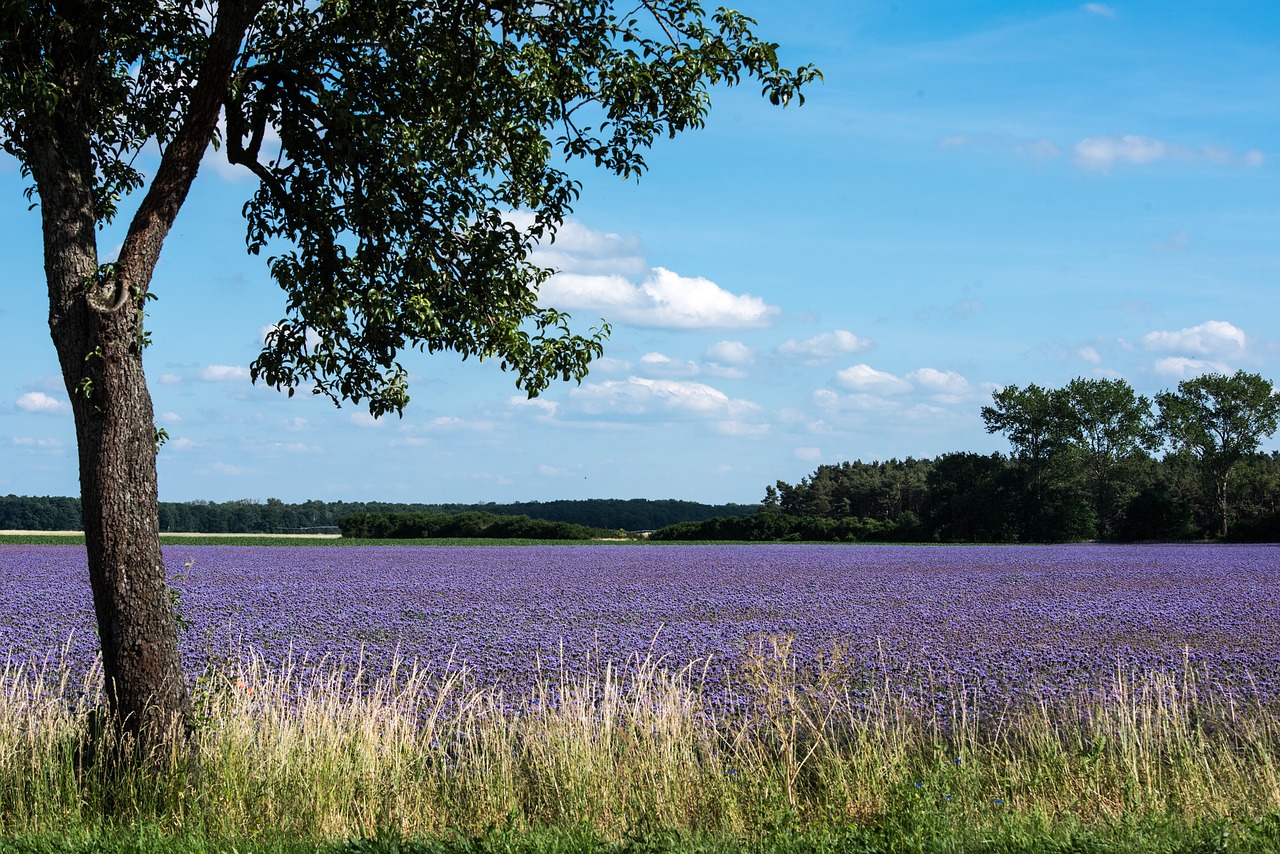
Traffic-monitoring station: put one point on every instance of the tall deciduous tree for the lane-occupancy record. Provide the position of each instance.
(391, 140)
(1114, 428)
(1219, 420)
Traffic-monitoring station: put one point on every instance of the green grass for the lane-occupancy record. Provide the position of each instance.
(1167, 837)
(433, 762)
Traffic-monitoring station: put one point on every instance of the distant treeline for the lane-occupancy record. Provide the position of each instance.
(1081, 469)
(26, 513)
(413, 526)
(973, 498)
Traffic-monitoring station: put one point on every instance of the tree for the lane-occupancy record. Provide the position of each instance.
(1219, 419)
(1113, 428)
(409, 131)
(1034, 421)
(1037, 423)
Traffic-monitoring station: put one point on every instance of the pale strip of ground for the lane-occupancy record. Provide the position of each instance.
(172, 534)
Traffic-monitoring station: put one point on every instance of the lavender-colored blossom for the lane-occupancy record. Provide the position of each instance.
(997, 626)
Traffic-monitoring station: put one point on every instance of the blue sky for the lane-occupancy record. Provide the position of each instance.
(980, 194)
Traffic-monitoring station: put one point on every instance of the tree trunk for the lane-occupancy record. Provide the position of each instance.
(96, 329)
(1223, 502)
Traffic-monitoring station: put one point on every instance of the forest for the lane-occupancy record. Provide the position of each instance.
(1090, 461)
(1082, 467)
(249, 516)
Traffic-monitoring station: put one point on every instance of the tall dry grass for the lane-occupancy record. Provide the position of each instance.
(641, 744)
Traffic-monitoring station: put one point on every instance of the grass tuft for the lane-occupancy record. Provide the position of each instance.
(643, 756)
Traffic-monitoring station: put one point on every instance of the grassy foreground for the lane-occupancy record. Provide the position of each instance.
(637, 759)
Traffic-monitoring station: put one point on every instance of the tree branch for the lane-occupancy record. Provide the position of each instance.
(181, 160)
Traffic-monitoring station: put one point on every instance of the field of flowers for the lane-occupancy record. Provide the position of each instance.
(998, 626)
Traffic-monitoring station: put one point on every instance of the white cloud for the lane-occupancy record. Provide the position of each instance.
(1102, 152)
(1183, 367)
(552, 471)
(866, 379)
(578, 249)
(1089, 354)
(809, 455)
(643, 397)
(223, 373)
(825, 347)
(607, 273)
(611, 366)
(658, 364)
(170, 418)
(542, 408)
(1213, 337)
(664, 299)
(364, 419)
(742, 429)
(313, 337)
(182, 444)
(230, 470)
(1099, 9)
(449, 424)
(170, 379)
(39, 402)
(28, 442)
(945, 386)
(731, 353)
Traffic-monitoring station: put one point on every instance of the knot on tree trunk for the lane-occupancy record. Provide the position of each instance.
(107, 292)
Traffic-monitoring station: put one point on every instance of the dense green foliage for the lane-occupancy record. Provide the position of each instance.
(26, 513)
(1081, 469)
(412, 526)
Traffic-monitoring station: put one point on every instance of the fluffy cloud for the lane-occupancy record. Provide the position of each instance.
(608, 273)
(825, 347)
(945, 386)
(1183, 367)
(364, 419)
(729, 359)
(663, 299)
(578, 249)
(39, 402)
(542, 409)
(1214, 337)
(658, 364)
(732, 353)
(866, 379)
(670, 399)
(808, 455)
(223, 373)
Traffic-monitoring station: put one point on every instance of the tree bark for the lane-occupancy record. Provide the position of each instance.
(95, 319)
(99, 347)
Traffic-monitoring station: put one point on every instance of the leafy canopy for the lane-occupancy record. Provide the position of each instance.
(1218, 418)
(393, 143)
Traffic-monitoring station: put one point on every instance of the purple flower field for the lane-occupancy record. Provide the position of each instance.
(1010, 623)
